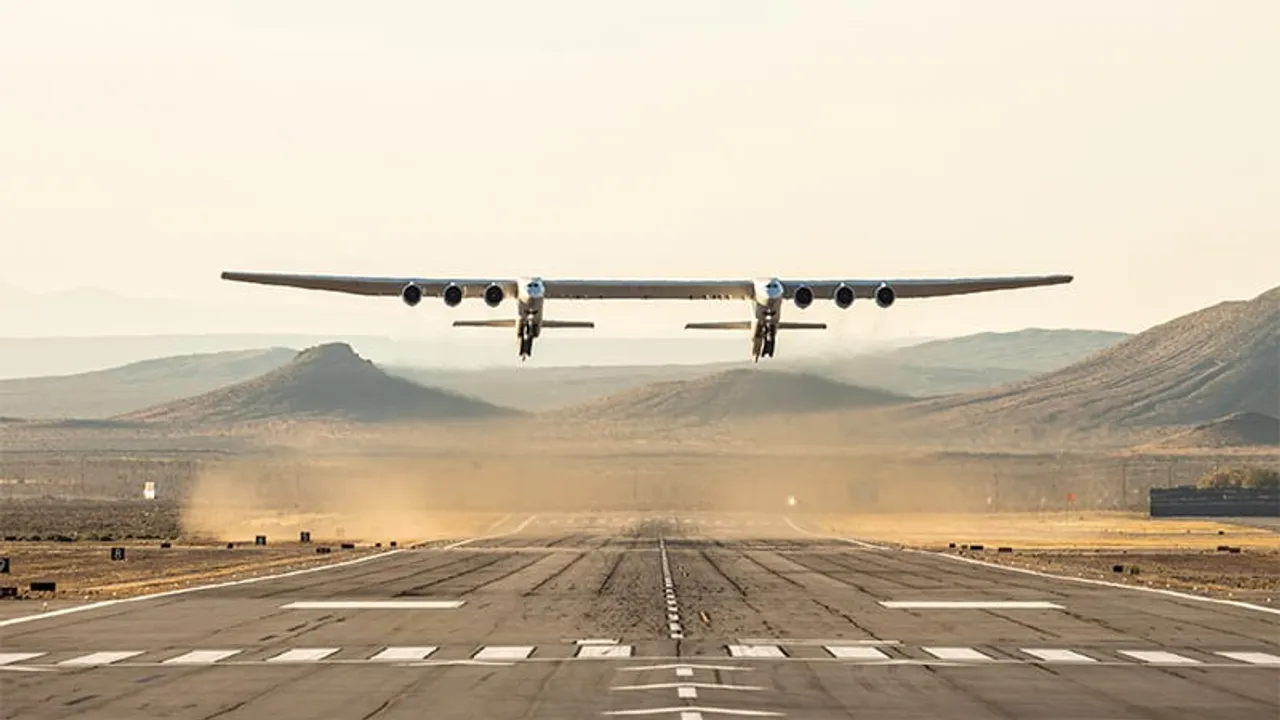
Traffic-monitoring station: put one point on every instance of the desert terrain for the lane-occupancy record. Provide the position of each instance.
(272, 443)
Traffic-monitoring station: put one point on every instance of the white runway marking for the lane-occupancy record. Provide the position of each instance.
(1158, 658)
(198, 588)
(755, 651)
(101, 658)
(1253, 658)
(1047, 576)
(955, 653)
(969, 605)
(405, 653)
(468, 541)
(303, 655)
(1049, 655)
(686, 692)
(691, 712)
(201, 657)
(373, 605)
(857, 652)
(503, 652)
(604, 651)
(6, 658)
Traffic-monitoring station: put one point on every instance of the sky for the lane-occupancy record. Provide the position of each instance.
(147, 146)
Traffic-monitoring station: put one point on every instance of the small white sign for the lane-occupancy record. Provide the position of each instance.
(149, 490)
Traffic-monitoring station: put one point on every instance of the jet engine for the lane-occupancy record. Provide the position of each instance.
(885, 295)
(493, 295)
(411, 294)
(452, 295)
(803, 296)
(844, 296)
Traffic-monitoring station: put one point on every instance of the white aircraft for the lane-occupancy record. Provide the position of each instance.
(766, 295)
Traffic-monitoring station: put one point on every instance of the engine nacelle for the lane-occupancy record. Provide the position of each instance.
(494, 295)
(411, 294)
(452, 295)
(803, 296)
(843, 296)
(885, 295)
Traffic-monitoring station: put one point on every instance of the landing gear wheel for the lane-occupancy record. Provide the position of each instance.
(526, 347)
(767, 350)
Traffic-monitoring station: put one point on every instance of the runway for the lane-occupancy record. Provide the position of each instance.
(648, 615)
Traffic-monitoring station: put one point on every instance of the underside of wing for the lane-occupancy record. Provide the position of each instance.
(648, 289)
(357, 285)
(926, 287)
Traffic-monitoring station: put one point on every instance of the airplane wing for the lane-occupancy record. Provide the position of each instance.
(649, 289)
(356, 285)
(555, 289)
(925, 287)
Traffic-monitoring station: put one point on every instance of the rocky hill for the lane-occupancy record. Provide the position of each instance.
(738, 393)
(1194, 369)
(326, 382)
(1245, 429)
(118, 390)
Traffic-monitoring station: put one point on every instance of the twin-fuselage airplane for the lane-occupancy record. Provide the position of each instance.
(766, 294)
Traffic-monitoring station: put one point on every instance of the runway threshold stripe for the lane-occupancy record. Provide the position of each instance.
(605, 651)
(405, 653)
(1158, 657)
(955, 653)
(848, 652)
(201, 657)
(303, 655)
(503, 652)
(1253, 658)
(1049, 655)
(756, 651)
(7, 658)
(101, 658)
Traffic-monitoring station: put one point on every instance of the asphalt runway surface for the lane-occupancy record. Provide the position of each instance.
(664, 616)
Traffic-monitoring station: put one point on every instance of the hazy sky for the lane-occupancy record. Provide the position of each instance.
(146, 146)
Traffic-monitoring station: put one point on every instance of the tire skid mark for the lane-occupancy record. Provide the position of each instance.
(561, 571)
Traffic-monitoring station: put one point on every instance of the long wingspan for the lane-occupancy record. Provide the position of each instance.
(646, 289)
(926, 287)
(356, 285)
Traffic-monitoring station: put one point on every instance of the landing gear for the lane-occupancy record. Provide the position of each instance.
(528, 331)
(763, 343)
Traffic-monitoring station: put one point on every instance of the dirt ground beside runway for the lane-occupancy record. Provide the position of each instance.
(1175, 553)
(85, 571)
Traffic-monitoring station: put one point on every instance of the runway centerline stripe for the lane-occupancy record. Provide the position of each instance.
(405, 653)
(201, 657)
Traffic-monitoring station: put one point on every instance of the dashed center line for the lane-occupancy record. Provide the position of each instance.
(675, 629)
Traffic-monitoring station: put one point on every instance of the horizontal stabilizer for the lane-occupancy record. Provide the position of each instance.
(801, 326)
(568, 324)
(512, 323)
(730, 325)
(485, 323)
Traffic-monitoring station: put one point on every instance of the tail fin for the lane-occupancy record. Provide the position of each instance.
(729, 325)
